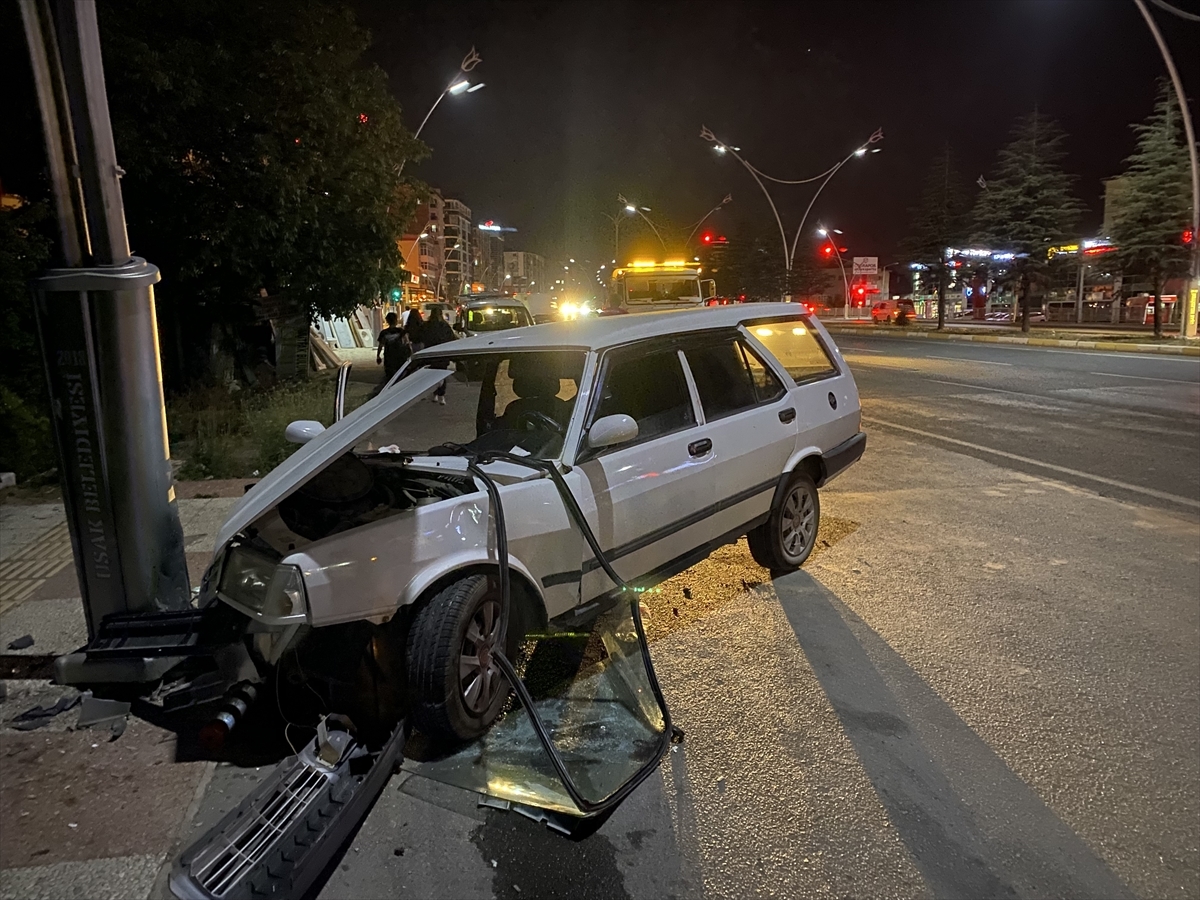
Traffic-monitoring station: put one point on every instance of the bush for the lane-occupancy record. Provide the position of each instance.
(26, 446)
(902, 318)
(220, 433)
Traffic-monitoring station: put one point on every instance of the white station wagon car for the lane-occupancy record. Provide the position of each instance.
(674, 432)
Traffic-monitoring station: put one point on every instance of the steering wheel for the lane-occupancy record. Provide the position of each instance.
(534, 419)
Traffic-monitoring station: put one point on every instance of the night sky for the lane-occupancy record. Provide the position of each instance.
(587, 100)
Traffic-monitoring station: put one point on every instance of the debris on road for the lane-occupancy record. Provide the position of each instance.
(23, 642)
(42, 715)
(98, 711)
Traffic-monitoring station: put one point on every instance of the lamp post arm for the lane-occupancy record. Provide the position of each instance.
(708, 135)
(703, 219)
(652, 228)
(804, 219)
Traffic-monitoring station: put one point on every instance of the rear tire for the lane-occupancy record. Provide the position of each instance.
(785, 540)
(458, 688)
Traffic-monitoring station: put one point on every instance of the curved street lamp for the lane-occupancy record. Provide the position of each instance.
(703, 218)
(458, 85)
(632, 208)
(828, 234)
(789, 252)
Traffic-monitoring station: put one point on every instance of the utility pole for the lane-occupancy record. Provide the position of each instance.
(100, 344)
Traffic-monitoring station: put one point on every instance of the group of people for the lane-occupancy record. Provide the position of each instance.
(397, 343)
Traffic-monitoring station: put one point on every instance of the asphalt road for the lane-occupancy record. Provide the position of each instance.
(1126, 425)
(986, 683)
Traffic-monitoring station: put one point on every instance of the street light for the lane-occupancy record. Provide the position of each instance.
(789, 253)
(825, 233)
(728, 199)
(629, 207)
(457, 86)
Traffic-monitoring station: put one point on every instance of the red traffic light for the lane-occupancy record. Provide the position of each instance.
(827, 250)
(707, 237)
(1188, 237)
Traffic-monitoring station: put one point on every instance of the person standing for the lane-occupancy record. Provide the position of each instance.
(392, 348)
(438, 331)
(414, 327)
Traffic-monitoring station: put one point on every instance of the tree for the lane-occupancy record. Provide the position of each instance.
(262, 155)
(1155, 210)
(1028, 206)
(938, 221)
(754, 267)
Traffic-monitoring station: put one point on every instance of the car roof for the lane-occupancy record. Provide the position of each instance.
(493, 301)
(597, 333)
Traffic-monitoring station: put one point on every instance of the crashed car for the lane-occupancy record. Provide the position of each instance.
(674, 433)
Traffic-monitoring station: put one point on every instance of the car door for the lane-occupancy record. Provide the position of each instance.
(646, 499)
(822, 392)
(751, 422)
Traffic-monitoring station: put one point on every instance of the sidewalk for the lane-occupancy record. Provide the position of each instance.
(1126, 341)
(85, 814)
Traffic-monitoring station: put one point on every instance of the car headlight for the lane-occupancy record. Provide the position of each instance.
(272, 590)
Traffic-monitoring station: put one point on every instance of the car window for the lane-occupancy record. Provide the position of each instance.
(510, 401)
(722, 379)
(650, 388)
(793, 343)
(767, 386)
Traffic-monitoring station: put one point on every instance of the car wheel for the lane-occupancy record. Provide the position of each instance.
(459, 690)
(787, 538)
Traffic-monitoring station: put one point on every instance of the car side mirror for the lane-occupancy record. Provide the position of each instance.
(612, 430)
(302, 431)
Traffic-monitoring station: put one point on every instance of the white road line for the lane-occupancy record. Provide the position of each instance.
(1149, 492)
(860, 350)
(1145, 378)
(980, 387)
(982, 362)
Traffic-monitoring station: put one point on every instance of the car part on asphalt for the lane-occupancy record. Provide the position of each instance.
(280, 839)
(24, 642)
(98, 711)
(236, 704)
(40, 715)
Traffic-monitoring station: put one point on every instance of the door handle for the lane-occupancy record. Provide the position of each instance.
(700, 447)
(787, 415)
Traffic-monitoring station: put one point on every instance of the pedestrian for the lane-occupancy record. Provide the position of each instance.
(438, 331)
(414, 328)
(392, 348)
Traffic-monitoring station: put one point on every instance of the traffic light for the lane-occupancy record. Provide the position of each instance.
(396, 294)
(827, 250)
(707, 237)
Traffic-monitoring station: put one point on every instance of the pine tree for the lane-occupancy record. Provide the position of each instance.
(938, 221)
(1028, 206)
(1149, 224)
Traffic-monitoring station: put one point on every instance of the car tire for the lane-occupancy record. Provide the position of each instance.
(456, 629)
(785, 540)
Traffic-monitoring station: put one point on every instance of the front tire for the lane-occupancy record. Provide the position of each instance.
(786, 539)
(458, 688)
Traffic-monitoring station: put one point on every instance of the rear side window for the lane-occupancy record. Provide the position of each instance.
(722, 379)
(649, 388)
(793, 343)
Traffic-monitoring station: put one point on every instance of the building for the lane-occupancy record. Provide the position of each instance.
(525, 272)
(423, 250)
(458, 258)
(488, 258)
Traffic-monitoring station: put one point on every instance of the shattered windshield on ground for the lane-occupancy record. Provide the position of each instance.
(512, 401)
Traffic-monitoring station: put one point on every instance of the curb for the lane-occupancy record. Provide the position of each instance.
(1171, 350)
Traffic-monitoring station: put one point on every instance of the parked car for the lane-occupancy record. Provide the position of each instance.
(674, 433)
(480, 315)
(889, 310)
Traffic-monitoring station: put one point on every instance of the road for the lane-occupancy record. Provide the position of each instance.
(985, 683)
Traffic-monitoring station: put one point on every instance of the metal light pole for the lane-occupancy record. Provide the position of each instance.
(616, 220)
(99, 339)
(703, 218)
(789, 252)
(631, 208)
(1187, 322)
(825, 233)
(457, 85)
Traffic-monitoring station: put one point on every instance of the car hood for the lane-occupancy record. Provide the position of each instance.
(331, 443)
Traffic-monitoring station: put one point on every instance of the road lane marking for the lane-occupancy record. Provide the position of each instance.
(861, 350)
(982, 362)
(1145, 378)
(980, 387)
(1111, 482)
